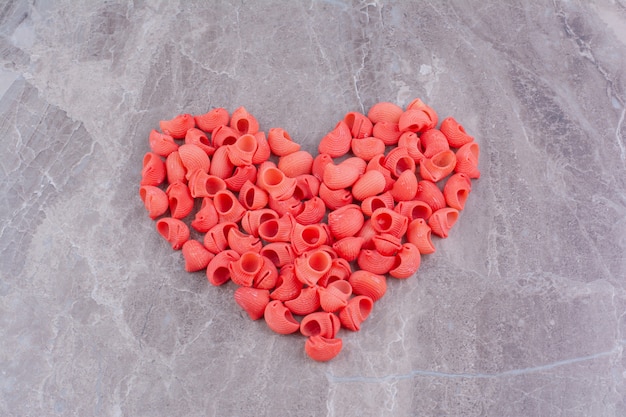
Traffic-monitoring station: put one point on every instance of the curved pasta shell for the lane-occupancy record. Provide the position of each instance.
(388, 221)
(212, 119)
(216, 239)
(320, 324)
(193, 158)
(267, 277)
(202, 184)
(279, 318)
(414, 120)
(313, 212)
(455, 133)
(205, 218)
(405, 187)
(442, 221)
(432, 142)
(240, 176)
(175, 169)
(252, 219)
(336, 143)
(349, 247)
(418, 104)
(346, 221)
(199, 138)
(358, 124)
(280, 253)
(278, 230)
(305, 303)
(398, 160)
(311, 266)
(307, 187)
(224, 136)
(428, 192)
(178, 126)
(369, 284)
(228, 208)
(218, 272)
(377, 163)
(245, 269)
(263, 150)
(372, 261)
(419, 234)
(384, 112)
(367, 148)
(153, 171)
(276, 183)
(407, 262)
(291, 205)
(162, 144)
(288, 286)
(241, 242)
(243, 122)
(296, 163)
(322, 349)
(335, 296)
(197, 257)
(252, 197)
(340, 176)
(154, 199)
(411, 142)
(306, 238)
(456, 190)
(388, 132)
(319, 163)
(280, 142)
(252, 300)
(335, 199)
(414, 209)
(357, 163)
(339, 270)
(242, 151)
(174, 231)
(367, 232)
(180, 200)
(439, 166)
(371, 204)
(369, 186)
(387, 244)
(467, 160)
(356, 312)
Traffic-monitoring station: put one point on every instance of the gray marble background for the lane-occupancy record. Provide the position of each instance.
(520, 312)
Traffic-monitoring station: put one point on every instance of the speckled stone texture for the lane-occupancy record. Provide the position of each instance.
(520, 312)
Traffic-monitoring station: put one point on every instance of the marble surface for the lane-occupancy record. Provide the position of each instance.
(520, 312)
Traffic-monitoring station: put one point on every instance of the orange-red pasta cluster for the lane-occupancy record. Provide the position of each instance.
(249, 208)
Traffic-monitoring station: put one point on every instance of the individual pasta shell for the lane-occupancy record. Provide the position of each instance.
(418, 104)
(377, 163)
(193, 158)
(178, 126)
(179, 199)
(442, 221)
(307, 187)
(467, 160)
(228, 208)
(252, 197)
(263, 150)
(414, 120)
(336, 143)
(432, 142)
(339, 270)
(175, 169)
(368, 284)
(346, 221)
(320, 324)
(212, 119)
(414, 209)
(335, 199)
(243, 122)
(241, 242)
(385, 220)
(280, 142)
(385, 112)
(340, 176)
(224, 136)
(405, 187)
(322, 349)
(374, 262)
(267, 276)
(276, 183)
(278, 230)
(407, 262)
(428, 192)
(242, 151)
(240, 176)
(367, 148)
(174, 231)
(438, 167)
(356, 312)
(153, 171)
(319, 163)
(205, 218)
(311, 266)
(335, 296)
(252, 300)
(398, 161)
(154, 199)
(306, 238)
(279, 318)
(291, 205)
(349, 247)
(288, 286)
(197, 257)
(280, 253)
(162, 144)
(371, 204)
(369, 185)
(313, 212)
(198, 138)
(419, 234)
(358, 124)
(296, 163)
(455, 133)
(216, 239)
(202, 184)
(456, 190)
(411, 142)
(305, 303)
(252, 219)
(387, 244)
(388, 132)
(245, 269)
(218, 272)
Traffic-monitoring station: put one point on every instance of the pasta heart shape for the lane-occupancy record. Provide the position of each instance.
(248, 208)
